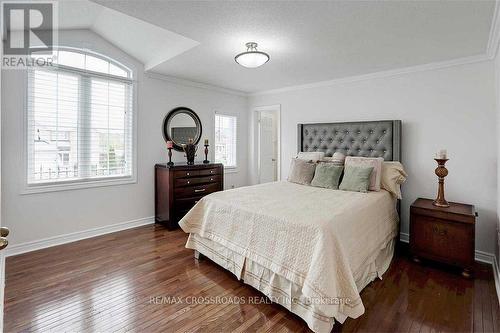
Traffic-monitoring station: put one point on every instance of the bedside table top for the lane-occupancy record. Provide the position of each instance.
(455, 208)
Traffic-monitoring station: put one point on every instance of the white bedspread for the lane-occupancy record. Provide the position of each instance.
(316, 238)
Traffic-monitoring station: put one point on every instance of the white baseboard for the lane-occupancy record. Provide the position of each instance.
(488, 258)
(75, 236)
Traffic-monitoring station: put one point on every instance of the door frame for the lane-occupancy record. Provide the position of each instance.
(276, 108)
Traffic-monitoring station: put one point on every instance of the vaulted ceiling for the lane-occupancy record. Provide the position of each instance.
(307, 41)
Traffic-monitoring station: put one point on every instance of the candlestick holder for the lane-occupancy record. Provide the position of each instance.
(206, 155)
(170, 163)
(441, 172)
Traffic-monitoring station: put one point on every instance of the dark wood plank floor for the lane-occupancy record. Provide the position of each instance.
(127, 281)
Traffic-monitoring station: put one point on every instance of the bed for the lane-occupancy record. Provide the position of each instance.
(309, 249)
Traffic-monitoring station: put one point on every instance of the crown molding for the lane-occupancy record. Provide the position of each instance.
(494, 37)
(194, 84)
(378, 75)
(349, 79)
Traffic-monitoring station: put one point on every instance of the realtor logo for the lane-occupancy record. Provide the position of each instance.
(28, 33)
(28, 27)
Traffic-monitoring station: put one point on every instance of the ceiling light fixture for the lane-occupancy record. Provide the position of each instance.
(252, 58)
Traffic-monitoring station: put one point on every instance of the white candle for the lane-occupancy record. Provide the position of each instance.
(441, 154)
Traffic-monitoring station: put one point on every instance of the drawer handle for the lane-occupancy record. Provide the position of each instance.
(196, 201)
(187, 173)
(211, 179)
(211, 171)
(189, 182)
(200, 190)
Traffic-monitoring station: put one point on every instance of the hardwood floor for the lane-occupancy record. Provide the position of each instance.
(126, 280)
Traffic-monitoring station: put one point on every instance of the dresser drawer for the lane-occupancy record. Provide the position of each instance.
(211, 171)
(196, 180)
(197, 190)
(186, 173)
(442, 240)
(186, 203)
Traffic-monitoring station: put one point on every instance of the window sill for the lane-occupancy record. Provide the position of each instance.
(230, 170)
(78, 185)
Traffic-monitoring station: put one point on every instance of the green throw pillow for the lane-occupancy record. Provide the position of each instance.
(356, 179)
(327, 175)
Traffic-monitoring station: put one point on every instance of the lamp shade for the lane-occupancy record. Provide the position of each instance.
(252, 58)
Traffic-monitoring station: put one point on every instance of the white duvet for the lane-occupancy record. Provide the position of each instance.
(319, 239)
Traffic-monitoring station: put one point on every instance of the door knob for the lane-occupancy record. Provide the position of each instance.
(3, 243)
(4, 231)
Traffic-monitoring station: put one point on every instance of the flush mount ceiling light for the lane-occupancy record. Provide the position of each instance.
(252, 58)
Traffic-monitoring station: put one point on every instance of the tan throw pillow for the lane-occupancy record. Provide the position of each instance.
(301, 171)
(393, 175)
(314, 156)
(375, 162)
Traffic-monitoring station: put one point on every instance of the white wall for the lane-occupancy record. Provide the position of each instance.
(452, 108)
(497, 92)
(38, 216)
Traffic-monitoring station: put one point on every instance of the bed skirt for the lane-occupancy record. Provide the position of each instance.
(282, 291)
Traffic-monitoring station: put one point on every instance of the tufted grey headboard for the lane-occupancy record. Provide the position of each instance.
(361, 138)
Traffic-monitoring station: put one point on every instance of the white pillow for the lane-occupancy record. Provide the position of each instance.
(375, 162)
(337, 158)
(393, 175)
(314, 156)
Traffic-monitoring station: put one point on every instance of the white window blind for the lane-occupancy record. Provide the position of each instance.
(225, 140)
(79, 121)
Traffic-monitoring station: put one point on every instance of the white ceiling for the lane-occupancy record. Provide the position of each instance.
(311, 41)
(144, 41)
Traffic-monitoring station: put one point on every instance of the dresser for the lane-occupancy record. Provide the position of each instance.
(180, 186)
(443, 234)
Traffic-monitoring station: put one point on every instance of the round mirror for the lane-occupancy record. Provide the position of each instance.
(180, 125)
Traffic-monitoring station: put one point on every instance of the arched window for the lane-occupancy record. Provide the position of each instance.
(80, 120)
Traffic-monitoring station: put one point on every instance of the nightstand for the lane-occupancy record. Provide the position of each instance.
(443, 234)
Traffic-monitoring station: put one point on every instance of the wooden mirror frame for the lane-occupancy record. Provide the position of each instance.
(168, 118)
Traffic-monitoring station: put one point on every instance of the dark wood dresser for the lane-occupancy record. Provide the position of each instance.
(179, 187)
(443, 234)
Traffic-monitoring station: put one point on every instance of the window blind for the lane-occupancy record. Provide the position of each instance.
(225, 140)
(79, 126)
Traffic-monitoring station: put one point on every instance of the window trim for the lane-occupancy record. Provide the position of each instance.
(86, 182)
(232, 168)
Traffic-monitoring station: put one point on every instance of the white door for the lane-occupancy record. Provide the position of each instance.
(268, 145)
(2, 232)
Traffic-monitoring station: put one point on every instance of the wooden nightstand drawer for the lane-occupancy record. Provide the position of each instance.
(442, 240)
(443, 234)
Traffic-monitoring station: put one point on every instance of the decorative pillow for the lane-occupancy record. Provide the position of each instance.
(301, 171)
(314, 156)
(337, 159)
(393, 175)
(327, 175)
(356, 178)
(375, 162)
